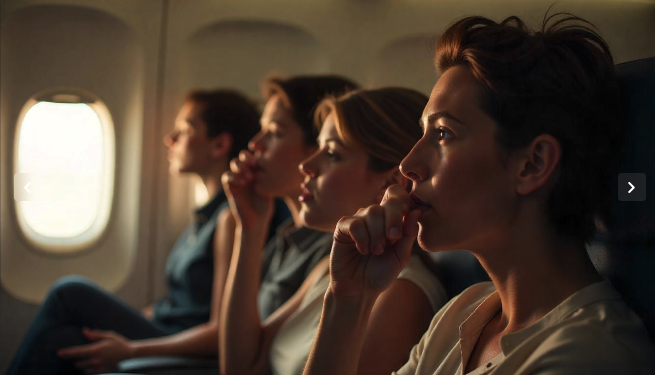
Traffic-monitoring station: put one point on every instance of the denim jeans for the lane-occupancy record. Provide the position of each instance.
(71, 304)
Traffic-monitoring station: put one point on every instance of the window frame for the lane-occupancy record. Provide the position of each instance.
(67, 246)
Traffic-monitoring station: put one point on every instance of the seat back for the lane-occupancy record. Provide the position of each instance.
(457, 270)
(625, 251)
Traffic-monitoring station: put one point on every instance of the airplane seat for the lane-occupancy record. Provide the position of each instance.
(457, 270)
(624, 251)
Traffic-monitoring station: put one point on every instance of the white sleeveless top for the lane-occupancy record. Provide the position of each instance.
(294, 340)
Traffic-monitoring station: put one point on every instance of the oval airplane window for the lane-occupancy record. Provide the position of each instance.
(64, 172)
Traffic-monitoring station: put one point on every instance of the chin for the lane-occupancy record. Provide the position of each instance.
(428, 240)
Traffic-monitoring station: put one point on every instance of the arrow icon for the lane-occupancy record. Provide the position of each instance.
(28, 190)
(629, 191)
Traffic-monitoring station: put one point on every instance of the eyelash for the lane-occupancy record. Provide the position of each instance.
(273, 133)
(333, 156)
(443, 131)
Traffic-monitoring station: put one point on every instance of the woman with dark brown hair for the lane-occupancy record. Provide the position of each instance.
(83, 328)
(363, 137)
(511, 166)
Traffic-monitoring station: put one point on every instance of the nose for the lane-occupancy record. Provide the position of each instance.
(413, 165)
(256, 143)
(308, 166)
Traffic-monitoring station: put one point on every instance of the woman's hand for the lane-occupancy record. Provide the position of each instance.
(102, 354)
(372, 247)
(249, 208)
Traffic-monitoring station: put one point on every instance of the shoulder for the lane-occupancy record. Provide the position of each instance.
(604, 338)
(418, 274)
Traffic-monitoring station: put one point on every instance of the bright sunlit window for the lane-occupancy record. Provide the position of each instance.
(69, 149)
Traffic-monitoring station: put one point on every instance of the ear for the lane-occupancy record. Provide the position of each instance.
(392, 177)
(221, 145)
(538, 164)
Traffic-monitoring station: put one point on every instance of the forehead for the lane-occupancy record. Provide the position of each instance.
(328, 128)
(275, 111)
(456, 92)
(190, 113)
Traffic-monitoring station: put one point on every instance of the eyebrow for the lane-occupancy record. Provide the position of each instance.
(335, 140)
(432, 118)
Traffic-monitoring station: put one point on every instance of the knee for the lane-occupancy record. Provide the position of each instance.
(71, 286)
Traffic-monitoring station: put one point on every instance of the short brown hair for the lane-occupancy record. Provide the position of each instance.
(382, 122)
(301, 94)
(227, 111)
(558, 81)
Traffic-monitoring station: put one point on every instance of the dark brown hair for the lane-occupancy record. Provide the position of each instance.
(558, 81)
(381, 122)
(301, 94)
(227, 111)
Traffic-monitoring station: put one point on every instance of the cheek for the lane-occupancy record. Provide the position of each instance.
(285, 157)
(472, 200)
(345, 192)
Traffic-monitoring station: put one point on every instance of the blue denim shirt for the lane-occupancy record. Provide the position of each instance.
(190, 267)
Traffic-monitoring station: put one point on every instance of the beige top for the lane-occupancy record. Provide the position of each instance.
(292, 344)
(591, 332)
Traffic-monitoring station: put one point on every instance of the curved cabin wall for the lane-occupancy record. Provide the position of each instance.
(91, 48)
(140, 57)
(98, 53)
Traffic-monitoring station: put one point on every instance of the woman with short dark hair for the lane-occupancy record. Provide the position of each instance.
(511, 166)
(81, 327)
(362, 139)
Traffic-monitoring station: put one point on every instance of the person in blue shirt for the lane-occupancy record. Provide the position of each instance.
(82, 327)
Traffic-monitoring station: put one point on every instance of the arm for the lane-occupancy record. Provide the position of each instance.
(245, 341)
(398, 320)
(108, 347)
(202, 339)
(367, 256)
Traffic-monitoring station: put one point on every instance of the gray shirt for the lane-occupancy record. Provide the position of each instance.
(288, 258)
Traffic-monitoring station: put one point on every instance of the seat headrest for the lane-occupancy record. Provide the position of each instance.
(634, 222)
(625, 252)
(457, 270)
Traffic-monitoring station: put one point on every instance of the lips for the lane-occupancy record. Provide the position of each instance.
(418, 204)
(305, 195)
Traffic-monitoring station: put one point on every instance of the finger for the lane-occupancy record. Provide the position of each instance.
(410, 223)
(374, 219)
(94, 334)
(399, 193)
(248, 158)
(77, 351)
(353, 230)
(403, 247)
(393, 218)
(231, 181)
(240, 169)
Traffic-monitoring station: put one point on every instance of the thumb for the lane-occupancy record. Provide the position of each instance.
(403, 247)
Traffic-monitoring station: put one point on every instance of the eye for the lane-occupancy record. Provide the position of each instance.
(332, 156)
(443, 134)
(275, 132)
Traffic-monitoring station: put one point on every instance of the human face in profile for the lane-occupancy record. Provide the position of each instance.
(466, 194)
(278, 149)
(189, 147)
(338, 180)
